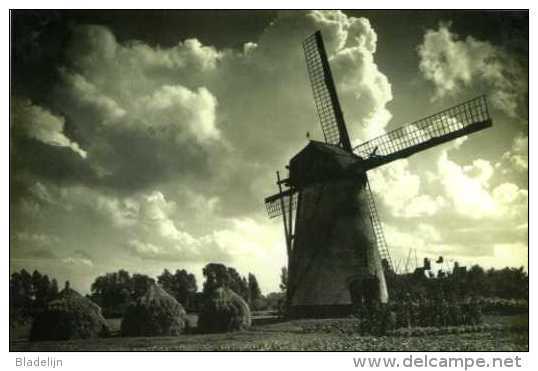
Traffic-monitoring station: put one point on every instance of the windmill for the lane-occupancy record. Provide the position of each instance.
(337, 253)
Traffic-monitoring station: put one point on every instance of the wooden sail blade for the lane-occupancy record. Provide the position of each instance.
(455, 122)
(273, 203)
(325, 97)
(381, 243)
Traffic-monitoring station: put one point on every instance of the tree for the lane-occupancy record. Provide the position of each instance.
(53, 291)
(476, 281)
(186, 286)
(253, 288)
(29, 293)
(218, 275)
(238, 284)
(181, 285)
(114, 291)
(140, 283)
(41, 289)
(284, 279)
(166, 280)
(274, 299)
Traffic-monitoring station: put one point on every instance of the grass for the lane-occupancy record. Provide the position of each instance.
(298, 335)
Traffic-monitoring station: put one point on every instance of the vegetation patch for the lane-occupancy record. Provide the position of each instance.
(156, 313)
(69, 316)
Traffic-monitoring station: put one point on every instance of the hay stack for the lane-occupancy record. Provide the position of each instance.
(156, 313)
(69, 316)
(223, 311)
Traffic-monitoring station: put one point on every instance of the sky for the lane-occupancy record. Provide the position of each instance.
(144, 140)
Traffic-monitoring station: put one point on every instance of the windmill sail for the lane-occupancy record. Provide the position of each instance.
(381, 243)
(273, 203)
(455, 122)
(325, 97)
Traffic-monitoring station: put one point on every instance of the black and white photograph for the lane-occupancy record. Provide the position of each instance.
(268, 180)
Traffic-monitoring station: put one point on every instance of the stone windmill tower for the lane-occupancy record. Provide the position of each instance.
(337, 254)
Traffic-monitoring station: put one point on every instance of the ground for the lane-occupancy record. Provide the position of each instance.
(299, 335)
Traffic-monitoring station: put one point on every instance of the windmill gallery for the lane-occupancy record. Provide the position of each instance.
(337, 254)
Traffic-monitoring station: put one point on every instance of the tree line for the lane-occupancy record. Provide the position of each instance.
(461, 283)
(113, 291)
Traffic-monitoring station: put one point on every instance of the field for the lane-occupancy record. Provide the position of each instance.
(300, 335)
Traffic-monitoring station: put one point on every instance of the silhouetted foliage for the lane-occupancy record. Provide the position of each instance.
(238, 284)
(284, 279)
(29, 294)
(181, 285)
(507, 283)
(255, 297)
(218, 275)
(114, 291)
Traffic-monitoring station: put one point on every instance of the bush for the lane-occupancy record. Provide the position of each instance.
(156, 313)
(223, 310)
(69, 316)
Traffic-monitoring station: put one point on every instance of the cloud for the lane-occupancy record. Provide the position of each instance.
(194, 114)
(364, 90)
(140, 104)
(78, 262)
(467, 249)
(38, 123)
(453, 64)
(177, 104)
(88, 95)
(399, 189)
(155, 235)
(469, 189)
(25, 245)
(39, 239)
(517, 157)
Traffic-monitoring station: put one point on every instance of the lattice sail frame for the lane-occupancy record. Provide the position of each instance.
(377, 225)
(446, 125)
(273, 204)
(325, 97)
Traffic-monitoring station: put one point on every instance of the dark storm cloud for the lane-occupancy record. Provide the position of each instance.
(31, 245)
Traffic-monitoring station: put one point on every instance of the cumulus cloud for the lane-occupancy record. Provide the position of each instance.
(470, 192)
(208, 115)
(453, 64)
(364, 89)
(517, 157)
(157, 235)
(177, 104)
(131, 103)
(399, 189)
(39, 123)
